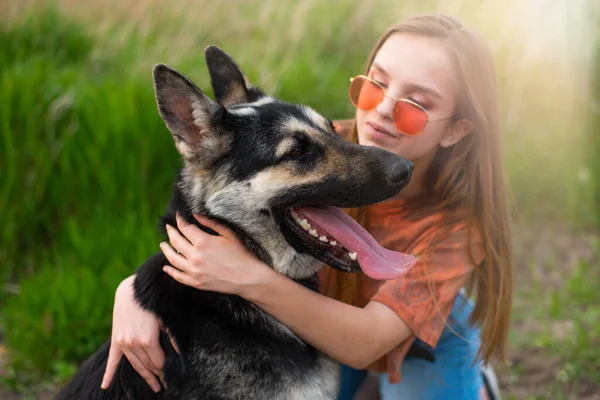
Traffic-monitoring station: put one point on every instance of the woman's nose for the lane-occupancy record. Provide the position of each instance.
(385, 109)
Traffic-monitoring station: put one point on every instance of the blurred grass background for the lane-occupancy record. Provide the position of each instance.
(86, 163)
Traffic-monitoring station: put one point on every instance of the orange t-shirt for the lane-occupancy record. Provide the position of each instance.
(446, 251)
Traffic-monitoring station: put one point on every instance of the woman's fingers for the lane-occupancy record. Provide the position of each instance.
(195, 235)
(114, 357)
(221, 229)
(156, 357)
(181, 277)
(177, 260)
(143, 370)
(179, 242)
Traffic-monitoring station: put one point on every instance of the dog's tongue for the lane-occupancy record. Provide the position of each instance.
(375, 261)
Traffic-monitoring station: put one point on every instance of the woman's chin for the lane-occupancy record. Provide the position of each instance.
(380, 141)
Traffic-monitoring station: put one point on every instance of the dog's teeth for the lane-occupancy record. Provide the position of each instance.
(333, 243)
(313, 233)
(323, 239)
(353, 256)
(295, 214)
(305, 225)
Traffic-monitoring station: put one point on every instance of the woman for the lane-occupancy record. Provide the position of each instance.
(428, 94)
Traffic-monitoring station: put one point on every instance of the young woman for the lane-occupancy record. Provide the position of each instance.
(428, 94)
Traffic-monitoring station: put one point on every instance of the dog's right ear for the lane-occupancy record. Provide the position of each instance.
(188, 113)
(230, 86)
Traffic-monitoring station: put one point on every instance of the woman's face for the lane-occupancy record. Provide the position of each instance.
(414, 68)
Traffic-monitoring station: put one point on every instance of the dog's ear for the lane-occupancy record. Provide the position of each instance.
(188, 113)
(230, 86)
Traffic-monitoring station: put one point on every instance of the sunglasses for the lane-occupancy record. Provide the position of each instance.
(409, 117)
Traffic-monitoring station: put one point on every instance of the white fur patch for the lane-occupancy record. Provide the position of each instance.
(250, 109)
(316, 117)
(284, 147)
(292, 124)
(263, 100)
(183, 149)
(243, 111)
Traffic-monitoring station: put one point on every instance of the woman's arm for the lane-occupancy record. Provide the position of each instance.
(352, 335)
(135, 334)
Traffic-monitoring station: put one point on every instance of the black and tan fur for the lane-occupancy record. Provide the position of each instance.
(248, 158)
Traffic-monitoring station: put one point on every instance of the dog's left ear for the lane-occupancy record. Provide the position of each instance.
(230, 86)
(189, 114)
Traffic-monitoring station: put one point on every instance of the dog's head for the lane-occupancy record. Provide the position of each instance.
(274, 172)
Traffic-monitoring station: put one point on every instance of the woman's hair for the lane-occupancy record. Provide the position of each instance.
(468, 175)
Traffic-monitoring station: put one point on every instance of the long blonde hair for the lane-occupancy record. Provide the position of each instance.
(469, 175)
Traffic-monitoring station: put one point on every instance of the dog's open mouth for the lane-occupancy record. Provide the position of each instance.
(335, 238)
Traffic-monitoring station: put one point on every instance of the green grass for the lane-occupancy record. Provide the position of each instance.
(87, 166)
(50, 37)
(63, 312)
(579, 302)
(86, 163)
(556, 319)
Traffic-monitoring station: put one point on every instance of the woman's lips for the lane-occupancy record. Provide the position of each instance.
(380, 129)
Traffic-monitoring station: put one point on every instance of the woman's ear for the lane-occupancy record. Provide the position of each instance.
(457, 131)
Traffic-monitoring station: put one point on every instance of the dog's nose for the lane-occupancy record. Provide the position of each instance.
(400, 172)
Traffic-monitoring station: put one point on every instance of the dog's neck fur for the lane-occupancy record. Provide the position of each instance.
(254, 224)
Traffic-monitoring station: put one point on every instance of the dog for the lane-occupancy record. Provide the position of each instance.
(274, 173)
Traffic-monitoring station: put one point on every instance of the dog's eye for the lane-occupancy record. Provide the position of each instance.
(296, 152)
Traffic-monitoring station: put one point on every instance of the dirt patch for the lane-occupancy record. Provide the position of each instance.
(533, 374)
(544, 256)
(42, 393)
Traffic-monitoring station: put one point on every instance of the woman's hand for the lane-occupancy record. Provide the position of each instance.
(135, 333)
(207, 262)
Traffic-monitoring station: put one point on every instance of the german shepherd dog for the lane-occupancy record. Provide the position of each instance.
(274, 173)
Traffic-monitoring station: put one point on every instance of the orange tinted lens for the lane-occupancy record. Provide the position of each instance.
(365, 94)
(409, 118)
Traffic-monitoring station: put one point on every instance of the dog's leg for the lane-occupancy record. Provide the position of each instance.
(171, 301)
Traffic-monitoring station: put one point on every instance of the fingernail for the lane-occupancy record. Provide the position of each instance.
(169, 227)
(156, 388)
